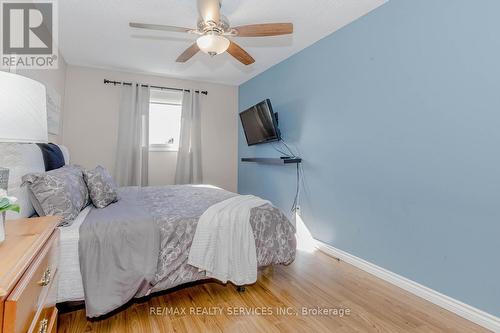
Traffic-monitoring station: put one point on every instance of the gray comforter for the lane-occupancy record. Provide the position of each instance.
(141, 243)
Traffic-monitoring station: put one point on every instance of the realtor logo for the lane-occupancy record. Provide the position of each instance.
(28, 34)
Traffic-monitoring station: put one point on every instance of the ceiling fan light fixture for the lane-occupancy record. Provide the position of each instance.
(213, 43)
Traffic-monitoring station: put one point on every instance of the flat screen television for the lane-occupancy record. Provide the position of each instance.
(260, 124)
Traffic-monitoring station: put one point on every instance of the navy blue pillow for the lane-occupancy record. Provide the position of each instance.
(53, 157)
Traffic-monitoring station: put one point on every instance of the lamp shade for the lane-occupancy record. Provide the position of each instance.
(213, 44)
(23, 109)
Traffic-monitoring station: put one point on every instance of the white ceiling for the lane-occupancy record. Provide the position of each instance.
(96, 33)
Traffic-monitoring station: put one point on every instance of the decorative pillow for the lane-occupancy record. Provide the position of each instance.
(53, 157)
(102, 188)
(58, 192)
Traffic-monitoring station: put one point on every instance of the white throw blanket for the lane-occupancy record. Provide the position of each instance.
(224, 245)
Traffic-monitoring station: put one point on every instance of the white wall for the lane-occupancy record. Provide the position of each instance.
(91, 124)
(162, 165)
(51, 78)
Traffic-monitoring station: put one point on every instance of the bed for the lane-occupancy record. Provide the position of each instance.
(175, 211)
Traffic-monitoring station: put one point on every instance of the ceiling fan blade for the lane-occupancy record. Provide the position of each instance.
(209, 10)
(189, 53)
(159, 27)
(262, 30)
(241, 55)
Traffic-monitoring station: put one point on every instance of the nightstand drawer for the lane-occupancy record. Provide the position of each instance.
(30, 294)
(46, 321)
(46, 318)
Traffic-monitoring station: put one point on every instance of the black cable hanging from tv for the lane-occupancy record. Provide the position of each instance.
(261, 125)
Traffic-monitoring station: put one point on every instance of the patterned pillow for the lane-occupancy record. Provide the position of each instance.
(58, 192)
(102, 188)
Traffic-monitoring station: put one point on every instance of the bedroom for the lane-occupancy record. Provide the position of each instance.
(351, 143)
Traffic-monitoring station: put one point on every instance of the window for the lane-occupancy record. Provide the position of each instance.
(164, 121)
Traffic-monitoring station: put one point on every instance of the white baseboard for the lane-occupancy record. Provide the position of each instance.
(463, 310)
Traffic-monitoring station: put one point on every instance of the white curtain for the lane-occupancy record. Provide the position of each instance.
(131, 166)
(189, 155)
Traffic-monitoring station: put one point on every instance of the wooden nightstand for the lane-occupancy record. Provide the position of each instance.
(28, 276)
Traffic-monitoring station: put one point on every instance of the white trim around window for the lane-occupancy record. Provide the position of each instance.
(163, 147)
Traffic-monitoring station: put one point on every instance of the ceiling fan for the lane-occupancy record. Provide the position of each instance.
(214, 29)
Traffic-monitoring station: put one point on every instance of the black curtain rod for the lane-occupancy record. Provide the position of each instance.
(106, 81)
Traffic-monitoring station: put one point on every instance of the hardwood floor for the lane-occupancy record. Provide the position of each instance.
(313, 280)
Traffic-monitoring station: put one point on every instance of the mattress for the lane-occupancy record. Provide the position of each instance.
(70, 279)
(176, 210)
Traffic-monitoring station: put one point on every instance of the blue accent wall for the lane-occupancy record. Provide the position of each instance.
(397, 118)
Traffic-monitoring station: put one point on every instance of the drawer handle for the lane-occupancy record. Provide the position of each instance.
(44, 324)
(45, 278)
